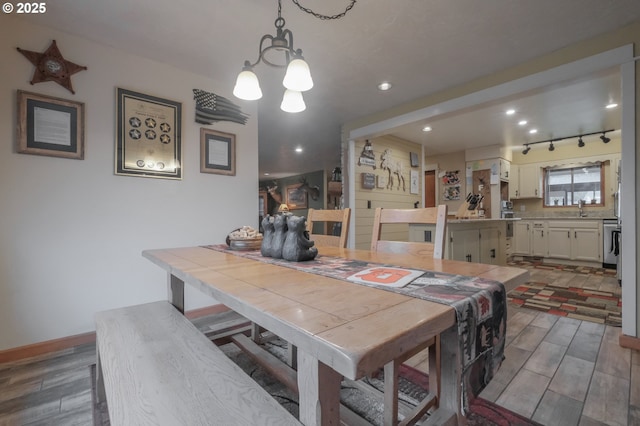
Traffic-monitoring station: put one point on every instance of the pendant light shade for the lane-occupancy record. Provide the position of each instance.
(247, 86)
(298, 76)
(292, 101)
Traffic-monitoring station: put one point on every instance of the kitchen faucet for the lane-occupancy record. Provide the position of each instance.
(581, 212)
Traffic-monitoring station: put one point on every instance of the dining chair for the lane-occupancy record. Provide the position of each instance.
(429, 216)
(328, 216)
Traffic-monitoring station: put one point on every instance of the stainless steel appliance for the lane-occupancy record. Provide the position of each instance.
(506, 209)
(611, 243)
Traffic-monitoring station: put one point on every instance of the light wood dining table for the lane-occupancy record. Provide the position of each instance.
(341, 329)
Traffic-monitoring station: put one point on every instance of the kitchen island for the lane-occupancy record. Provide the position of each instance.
(472, 240)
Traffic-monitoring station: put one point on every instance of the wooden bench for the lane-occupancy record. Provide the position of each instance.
(155, 367)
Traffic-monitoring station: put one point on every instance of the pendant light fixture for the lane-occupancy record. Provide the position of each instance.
(297, 78)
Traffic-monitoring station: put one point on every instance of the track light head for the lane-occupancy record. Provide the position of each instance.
(580, 142)
(551, 147)
(604, 138)
(526, 150)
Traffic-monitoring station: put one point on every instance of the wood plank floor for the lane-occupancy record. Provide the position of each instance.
(557, 371)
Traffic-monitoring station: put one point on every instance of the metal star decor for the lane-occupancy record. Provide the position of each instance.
(51, 66)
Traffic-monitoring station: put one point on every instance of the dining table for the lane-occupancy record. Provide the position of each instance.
(341, 329)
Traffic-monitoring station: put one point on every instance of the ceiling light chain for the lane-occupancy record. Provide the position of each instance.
(604, 139)
(325, 17)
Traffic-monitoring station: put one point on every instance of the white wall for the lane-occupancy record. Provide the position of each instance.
(72, 232)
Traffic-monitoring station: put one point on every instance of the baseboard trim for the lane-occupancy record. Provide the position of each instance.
(629, 342)
(41, 348)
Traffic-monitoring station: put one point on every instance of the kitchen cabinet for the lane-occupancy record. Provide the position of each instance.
(481, 241)
(480, 245)
(576, 240)
(514, 184)
(521, 243)
(539, 236)
(505, 169)
(529, 181)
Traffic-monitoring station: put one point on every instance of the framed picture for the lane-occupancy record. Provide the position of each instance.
(414, 182)
(50, 126)
(148, 136)
(217, 152)
(413, 156)
(297, 198)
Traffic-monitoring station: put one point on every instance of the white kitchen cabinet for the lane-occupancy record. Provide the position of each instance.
(539, 236)
(560, 242)
(575, 240)
(490, 251)
(464, 245)
(479, 245)
(505, 169)
(514, 184)
(521, 242)
(529, 181)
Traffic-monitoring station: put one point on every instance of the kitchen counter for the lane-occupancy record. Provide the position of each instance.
(479, 220)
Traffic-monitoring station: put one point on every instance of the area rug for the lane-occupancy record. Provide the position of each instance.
(413, 386)
(590, 305)
(538, 264)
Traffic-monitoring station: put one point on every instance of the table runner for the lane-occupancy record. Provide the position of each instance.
(480, 306)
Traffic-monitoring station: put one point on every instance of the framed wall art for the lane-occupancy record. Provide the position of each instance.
(217, 152)
(297, 198)
(50, 126)
(148, 136)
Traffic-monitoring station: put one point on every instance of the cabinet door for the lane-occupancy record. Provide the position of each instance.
(505, 169)
(490, 246)
(539, 246)
(465, 245)
(559, 242)
(586, 244)
(530, 181)
(514, 184)
(521, 237)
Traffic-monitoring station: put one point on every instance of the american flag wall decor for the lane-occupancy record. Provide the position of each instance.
(211, 108)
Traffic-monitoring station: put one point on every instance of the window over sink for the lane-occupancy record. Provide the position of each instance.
(565, 186)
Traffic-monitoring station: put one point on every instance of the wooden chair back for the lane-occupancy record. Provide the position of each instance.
(430, 215)
(341, 216)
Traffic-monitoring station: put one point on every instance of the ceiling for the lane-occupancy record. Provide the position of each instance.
(420, 46)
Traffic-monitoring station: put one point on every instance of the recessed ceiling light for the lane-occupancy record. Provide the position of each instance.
(532, 131)
(510, 111)
(426, 129)
(298, 149)
(611, 105)
(266, 174)
(522, 123)
(385, 85)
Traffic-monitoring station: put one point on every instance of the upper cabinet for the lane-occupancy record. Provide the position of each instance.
(505, 169)
(525, 181)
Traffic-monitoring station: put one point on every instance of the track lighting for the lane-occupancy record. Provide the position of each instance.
(581, 143)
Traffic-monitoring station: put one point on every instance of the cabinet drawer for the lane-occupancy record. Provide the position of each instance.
(583, 224)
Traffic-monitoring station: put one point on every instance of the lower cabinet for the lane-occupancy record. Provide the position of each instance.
(522, 237)
(575, 240)
(479, 245)
(559, 239)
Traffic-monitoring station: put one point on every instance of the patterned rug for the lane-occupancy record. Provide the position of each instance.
(413, 386)
(590, 305)
(538, 264)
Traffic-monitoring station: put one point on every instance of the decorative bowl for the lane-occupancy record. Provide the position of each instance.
(253, 244)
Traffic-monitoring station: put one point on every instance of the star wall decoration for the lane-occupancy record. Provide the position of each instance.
(51, 66)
